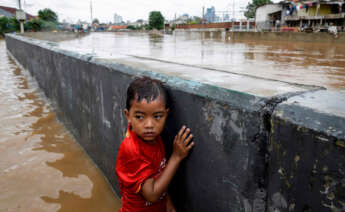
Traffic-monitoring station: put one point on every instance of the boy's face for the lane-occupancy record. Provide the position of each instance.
(147, 119)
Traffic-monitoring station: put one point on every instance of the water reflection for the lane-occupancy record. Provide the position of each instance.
(321, 64)
(42, 167)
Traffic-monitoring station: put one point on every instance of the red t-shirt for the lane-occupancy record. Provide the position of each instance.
(136, 162)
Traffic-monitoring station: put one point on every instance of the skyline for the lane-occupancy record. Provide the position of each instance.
(131, 10)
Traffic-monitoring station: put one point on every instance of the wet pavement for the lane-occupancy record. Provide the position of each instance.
(42, 167)
(318, 64)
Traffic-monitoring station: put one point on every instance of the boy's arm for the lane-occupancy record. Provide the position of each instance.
(152, 189)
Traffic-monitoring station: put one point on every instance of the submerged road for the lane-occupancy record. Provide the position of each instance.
(309, 63)
(42, 167)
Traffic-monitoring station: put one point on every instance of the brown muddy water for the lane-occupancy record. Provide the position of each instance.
(42, 167)
(311, 63)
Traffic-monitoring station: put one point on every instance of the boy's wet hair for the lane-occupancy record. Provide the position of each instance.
(146, 88)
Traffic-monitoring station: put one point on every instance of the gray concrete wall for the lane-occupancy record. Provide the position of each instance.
(231, 168)
(307, 148)
(290, 36)
(322, 37)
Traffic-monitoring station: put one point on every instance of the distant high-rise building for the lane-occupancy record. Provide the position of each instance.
(210, 15)
(117, 19)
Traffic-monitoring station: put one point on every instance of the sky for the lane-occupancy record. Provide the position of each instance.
(132, 10)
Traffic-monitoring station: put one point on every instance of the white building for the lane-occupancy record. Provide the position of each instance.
(267, 15)
(117, 19)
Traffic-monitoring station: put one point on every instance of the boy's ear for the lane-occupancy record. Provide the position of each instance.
(126, 112)
(168, 110)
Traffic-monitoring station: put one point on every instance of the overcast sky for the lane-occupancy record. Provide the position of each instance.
(104, 10)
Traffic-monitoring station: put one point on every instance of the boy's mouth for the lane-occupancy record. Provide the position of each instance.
(149, 134)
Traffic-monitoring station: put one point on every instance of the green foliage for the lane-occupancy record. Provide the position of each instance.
(172, 27)
(3, 25)
(95, 21)
(9, 25)
(48, 15)
(156, 20)
(251, 7)
(131, 27)
(147, 27)
(14, 24)
(35, 24)
(48, 25)
(196, 20)
(47, 21)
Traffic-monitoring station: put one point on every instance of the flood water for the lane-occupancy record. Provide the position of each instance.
(309, 63)
(42, 168)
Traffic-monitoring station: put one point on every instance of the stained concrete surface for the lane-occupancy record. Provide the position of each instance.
(307, 150)
(42, 167)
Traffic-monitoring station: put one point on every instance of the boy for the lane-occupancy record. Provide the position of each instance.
(141, 166)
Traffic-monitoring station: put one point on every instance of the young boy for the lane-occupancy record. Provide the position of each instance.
(141, 167)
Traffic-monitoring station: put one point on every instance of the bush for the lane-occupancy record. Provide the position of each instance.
(48, 25)
(14, 24)
(8, 25)
(34, 25)
(3, 25)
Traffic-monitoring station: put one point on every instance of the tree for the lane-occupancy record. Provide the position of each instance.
(251, 7)
(48, 15)
(156, 20)
(95, 21)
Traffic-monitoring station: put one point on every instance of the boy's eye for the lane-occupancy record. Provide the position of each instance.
(158, 116)
(139, 117)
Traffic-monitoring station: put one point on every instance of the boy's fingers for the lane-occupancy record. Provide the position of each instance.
(190, 146)
(180, 133)
(188, 139)
(185, 134)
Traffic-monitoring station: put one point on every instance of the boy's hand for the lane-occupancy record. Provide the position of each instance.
(170, 205)
(182, 143)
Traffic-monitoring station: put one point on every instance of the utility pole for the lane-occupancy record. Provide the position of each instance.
(91, 15)
(91, 11)
(233, 9)
(20, 15)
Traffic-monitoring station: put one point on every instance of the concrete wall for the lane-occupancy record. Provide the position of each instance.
(322, 37)
(289, 36)
(307, 148)
(222, 25)
(226, 169)
(231, 168)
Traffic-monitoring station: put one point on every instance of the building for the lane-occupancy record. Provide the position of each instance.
(314, 15)
(115, 28)
(266, 16)
(139, 23)
(10, 12)
(183, 19)
(210, 15)
(117, 19)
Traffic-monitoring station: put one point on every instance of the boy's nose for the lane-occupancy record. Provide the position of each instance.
(148, 123)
